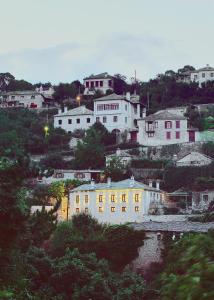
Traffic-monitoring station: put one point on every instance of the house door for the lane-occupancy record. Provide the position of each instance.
(134, 136)
(191, 136)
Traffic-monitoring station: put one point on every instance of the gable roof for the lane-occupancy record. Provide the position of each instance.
(207, 68)
(81, 110)
(124, 184)
(114, 96)
(195, 155)
(164, 115)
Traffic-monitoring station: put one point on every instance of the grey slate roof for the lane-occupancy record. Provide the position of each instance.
(114, 96)
(164, 115)
(174, 226)
(28, 92)
(104, 75)
(207, 68)
(124, 184)
(81, 110)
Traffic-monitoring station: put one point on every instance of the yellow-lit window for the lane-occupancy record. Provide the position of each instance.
(100, 198)
(124, 197)
(136, 197)
(77, 199)
(123, 209)
(100, 209)
(86, 198)
(136, 208)
(86, 210)
(77, 210)
(112, 198)
(112, 209)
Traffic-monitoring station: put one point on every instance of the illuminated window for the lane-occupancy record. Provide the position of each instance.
(112, 198)
(100, 209)
(112, 209)
(77, 199)
(136, 208)
(77, 210)
(123, 209)
(124, 197)
(86, 198)
(86, 210)
(100, 198)
(136, 197)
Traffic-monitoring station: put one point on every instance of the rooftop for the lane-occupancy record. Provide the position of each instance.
(175, 226)
(81, 110)
(207, 68)
(124, 184)
(28, 92)
(133, 98)
(104, 75)
(164, 115)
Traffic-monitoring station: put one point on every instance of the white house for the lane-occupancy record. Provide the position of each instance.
(73, 119)
(82, 175)
(202, 75)
(125, 158)
(202, 199)
(194, 159)
(119, 113)
(46, 90)
(101, 82)
(162, 128)
(115, 202)
(29, 99)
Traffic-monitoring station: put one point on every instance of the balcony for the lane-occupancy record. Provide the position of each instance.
(150, 129)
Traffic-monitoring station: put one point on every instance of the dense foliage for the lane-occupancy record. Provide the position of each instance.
(189, 271)
(22, 131)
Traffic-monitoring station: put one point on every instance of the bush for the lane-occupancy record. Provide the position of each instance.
(148, 164)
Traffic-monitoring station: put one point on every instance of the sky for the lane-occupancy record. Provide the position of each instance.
(65, 40)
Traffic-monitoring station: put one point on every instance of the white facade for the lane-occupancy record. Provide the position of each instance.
(29, 99)
(82, 175)
(101, 82)
(194, 159)
(115, 202)
(125, 158)
(202, 199)
(202, 75)
(47, 92)
(162, 128)
(118, 113)
(77, 118)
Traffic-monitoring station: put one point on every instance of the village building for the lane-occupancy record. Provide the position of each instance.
(73, 119)
(194, 159)
(124, 157)
(27, 99)
(81, 175)
(116, 202)
(163, 128)
(202, 75)
(46, 90)
(101, 82)
(119, 113)
(202, 199)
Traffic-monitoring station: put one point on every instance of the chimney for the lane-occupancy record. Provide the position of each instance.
(65, 109)
(108, 182)
(128, 96)
(92, 184)
(132, 181)
(118, 152)
(150, 183)
(157, 184)
(59, 111)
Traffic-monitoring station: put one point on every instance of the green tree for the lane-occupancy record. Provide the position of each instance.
(115, 169)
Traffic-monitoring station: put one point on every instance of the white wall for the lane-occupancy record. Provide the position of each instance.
(117, 217)
(103, 88)
(72, 127)
(159, 137)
